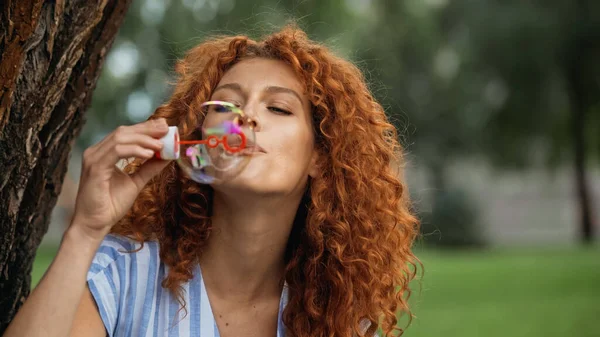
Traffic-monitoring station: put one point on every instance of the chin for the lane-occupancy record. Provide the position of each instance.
(260, 178)
(240, 188)
(251, 181)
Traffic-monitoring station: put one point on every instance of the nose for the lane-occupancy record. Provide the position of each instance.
(252, 117)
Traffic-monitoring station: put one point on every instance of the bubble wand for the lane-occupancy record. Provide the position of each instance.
(171, 141)
(220, 155)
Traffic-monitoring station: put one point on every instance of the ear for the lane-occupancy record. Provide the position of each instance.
(313, 168)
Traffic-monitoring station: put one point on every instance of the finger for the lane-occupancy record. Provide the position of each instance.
(148, 170)
(91, 153)
(125, 136)
(154, 127)
(103, 154)
(130, 138)
(124, 151)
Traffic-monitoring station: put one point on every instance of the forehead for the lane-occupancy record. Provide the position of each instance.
(257, 73)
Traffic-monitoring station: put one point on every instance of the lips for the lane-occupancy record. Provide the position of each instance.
(251, 147)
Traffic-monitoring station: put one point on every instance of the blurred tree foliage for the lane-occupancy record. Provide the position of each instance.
(516, 83)
(453, 221)
(157, 32)
(513, 82)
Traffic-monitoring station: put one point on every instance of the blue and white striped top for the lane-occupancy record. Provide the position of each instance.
(131, 301)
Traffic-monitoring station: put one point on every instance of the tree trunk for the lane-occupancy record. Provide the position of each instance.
(51, 56)
(578, 115)
(583, 51)
(583, 195)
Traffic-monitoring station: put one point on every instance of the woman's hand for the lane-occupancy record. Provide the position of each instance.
(105, 192)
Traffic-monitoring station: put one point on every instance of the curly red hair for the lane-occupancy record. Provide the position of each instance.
(349, 258)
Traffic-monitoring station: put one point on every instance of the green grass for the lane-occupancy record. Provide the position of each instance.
(516, 293)
(43, 258)
(526, 293)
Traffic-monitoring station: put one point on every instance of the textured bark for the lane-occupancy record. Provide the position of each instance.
(51, 56)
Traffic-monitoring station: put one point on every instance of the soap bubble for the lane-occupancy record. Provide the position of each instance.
(225, 146)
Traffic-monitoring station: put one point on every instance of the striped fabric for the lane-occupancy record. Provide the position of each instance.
(127, 289)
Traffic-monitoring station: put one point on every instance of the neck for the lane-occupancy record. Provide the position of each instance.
(244, 256)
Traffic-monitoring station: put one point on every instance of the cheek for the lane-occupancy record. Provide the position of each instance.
(294, 144)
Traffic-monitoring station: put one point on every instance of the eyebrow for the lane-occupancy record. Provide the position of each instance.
(270, 89)
(276, 89)
(231, 86)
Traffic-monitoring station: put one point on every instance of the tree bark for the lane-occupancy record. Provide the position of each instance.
(51, 57)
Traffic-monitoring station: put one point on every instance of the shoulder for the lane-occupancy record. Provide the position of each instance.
(124, 252)
(124, 282)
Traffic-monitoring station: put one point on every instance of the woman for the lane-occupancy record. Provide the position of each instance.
(312, 238)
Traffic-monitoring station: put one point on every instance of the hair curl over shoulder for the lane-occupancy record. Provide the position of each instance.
(349, 258)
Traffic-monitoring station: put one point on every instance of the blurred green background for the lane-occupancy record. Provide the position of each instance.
(498, 106)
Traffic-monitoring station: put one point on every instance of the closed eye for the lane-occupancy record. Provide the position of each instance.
(279, 110)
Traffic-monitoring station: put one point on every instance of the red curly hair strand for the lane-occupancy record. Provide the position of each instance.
(349, 258)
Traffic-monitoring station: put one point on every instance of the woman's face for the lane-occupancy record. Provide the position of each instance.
(269, 92)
